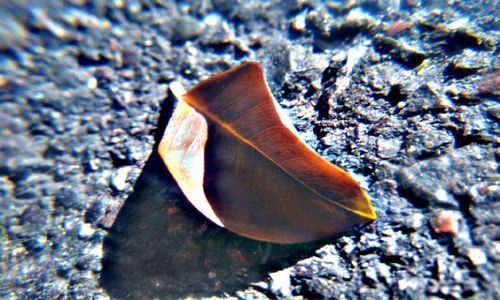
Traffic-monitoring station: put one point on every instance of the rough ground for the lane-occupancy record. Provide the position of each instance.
(403, 94)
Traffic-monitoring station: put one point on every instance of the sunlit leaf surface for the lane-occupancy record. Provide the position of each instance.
(241, 163)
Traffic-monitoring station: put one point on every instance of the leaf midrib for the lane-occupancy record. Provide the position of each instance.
(231, 131)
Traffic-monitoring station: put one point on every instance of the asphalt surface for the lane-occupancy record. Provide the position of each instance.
(402, 94)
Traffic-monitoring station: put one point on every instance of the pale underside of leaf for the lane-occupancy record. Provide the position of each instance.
(182, 148)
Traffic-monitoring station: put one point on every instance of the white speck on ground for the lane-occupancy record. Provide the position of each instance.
(280, 283)
(118, 180)
(477, 256)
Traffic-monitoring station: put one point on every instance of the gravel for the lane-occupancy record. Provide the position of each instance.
(404, 95)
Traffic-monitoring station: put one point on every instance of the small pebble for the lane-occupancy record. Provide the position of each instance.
(477, 256)
(442, 195)
(67, 197)
(118, 180)
(446, 221)
(348, 249)
(95, 212)
(371, 276)
(415, 221)
(86, 231)
(92, 83)
(387, 231)
(388, 148)
(460, 23)
(384, 272)
(187, 27)
(391, 247)
(35, 244)
(64, 269)
(212, 19)
(280, 283)
(494, 111)
(299, 23)
(3, 81)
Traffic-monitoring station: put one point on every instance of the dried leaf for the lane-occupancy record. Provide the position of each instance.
(243, 166)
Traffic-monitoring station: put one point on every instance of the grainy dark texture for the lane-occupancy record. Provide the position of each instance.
(402, 93)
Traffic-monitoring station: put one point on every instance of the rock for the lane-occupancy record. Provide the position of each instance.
(435, 181)
(276, 62)
(348, 245)
(280, 283)
(64, 269)
(92, 83)
(384, 273)
(85, 231)
(186, 27)
(299, 23)
(261, 285)
(446, 221)
(43, 21)
(68, 198)
(118, 180)
(461, 97)
(462, 38)
(466, 64)
(35, 244)
(96, 212)
(388, 148)
(489, 85)
(357, 21)
(415, 221)
(426, 97)
(494, 111)
(90, 260)
(472, 121)
(484, 192)
(88, 263)
(370, 277)
(477, 256)
(369, 243)
(218, 34)
(423, 193)
(427, 140)
(133, 6)
(397, 28)
(406, 55)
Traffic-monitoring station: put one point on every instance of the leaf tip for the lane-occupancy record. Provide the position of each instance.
(368, 212)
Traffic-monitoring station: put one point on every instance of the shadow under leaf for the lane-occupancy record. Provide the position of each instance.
(160, 246)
